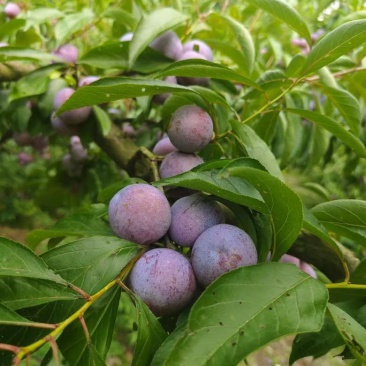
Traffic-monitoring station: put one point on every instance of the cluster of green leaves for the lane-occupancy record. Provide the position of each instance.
(279, 114)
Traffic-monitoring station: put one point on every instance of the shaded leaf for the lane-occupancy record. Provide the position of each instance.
(104, 121)
(10, 317)
(333, 127)
(232, 318)
(20, 53)
(100, 320)
(149, 337)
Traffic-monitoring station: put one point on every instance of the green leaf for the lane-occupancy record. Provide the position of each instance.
(110, 89)
(352, 332)
(121, 16)
(115, 55)
(34, 83)
(214, 182)
(236, 313)
(72, 23)
(25, 279)
(150, 26)
(242, 38)
(149, 337)
(283, 11)
(256, 148)
(295, 66)
(205, 69)
(10, 317)
(104, 122)
(345, 217)
(87, 222)
(316, 344)
(42, 15)
(20, 53)
(282, 203)
(100, 320)
(8, 28)
(338, 42)
(335, 128)
(347, 105)
(91, 263)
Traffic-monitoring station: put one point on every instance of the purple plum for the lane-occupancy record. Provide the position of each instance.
(220, 249)
(178, 162)
(199, 46)
(168, 44)
(164, 280)
(164, 147)
(140, 213)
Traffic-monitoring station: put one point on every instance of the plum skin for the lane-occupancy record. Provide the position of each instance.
(164, 280)
(168, 44)
(139, 213)
(190, 128)
(191, 216)
(164, 147)
(220, 249)
(199, 46)
(178, 162)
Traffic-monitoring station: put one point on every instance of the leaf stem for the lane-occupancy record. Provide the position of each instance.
(346, 285)
(21, 352)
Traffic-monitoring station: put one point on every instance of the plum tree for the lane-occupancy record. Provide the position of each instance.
(190, 128)
(12, 10)
(164, 146)
(67, 52)
(74, 116)
(220, 249)
(164, 280)
(191, 216)
(140, 213)
(168, 44)
(178, 162)
(199, 46)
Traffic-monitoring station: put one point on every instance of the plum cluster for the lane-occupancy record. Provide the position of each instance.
(190, 130)
(74, 161)
(165, 279)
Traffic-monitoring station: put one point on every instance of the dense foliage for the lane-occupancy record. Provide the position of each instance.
(112, 113)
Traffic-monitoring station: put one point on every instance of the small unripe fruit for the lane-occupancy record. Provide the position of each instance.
(199, 46)
(178, 162)
(139, 213)
(74, 116)
(168, 44)
(190, 128)
(24, 158)
(286, 258)
(307, 268)
(191, 216)
(11, 10)
(164, 280)
(220, 249)
(67, 52)
(164, 147)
